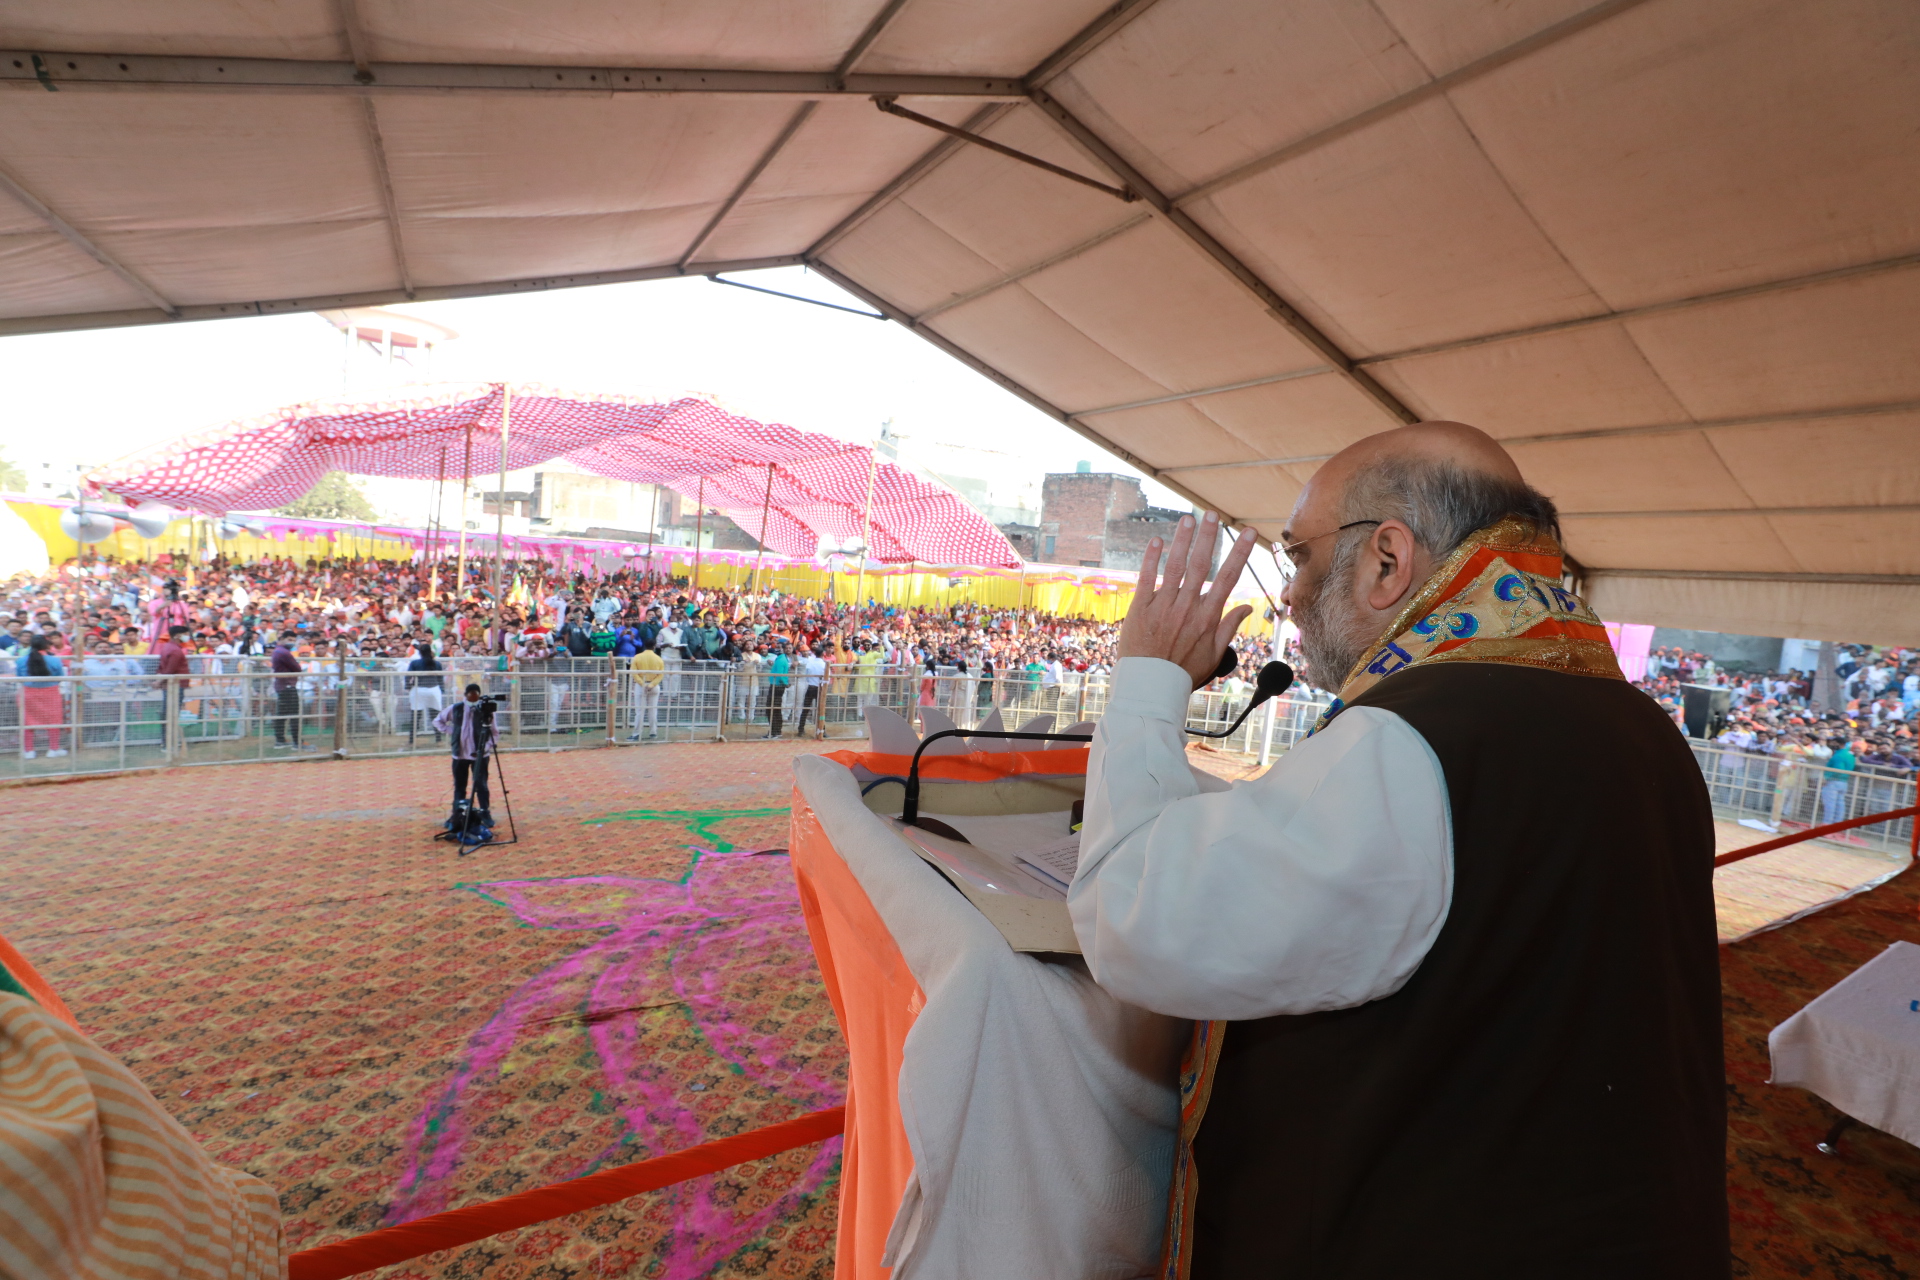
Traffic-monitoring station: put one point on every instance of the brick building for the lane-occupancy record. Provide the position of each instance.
(1099, 520)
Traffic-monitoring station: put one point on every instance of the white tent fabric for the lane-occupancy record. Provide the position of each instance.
(1669, 250)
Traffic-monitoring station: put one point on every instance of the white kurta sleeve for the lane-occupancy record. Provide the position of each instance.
(1320, 885)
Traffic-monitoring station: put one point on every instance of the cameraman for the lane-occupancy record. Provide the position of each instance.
(470, 726)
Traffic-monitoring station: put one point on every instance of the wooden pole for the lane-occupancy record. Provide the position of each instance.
(500, 506)
(766, 505)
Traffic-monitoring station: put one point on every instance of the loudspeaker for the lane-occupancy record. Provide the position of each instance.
(150, 519)
(86, 524)
(1706, 709)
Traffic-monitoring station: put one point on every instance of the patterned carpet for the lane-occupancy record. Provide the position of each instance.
(381, 1028)
(1797, 1212)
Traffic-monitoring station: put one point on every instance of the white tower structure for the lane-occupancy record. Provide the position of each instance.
(382, 348)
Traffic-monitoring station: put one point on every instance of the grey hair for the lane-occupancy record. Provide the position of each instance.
(1442, 502)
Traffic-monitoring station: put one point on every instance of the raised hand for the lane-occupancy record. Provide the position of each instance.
(1177, 620)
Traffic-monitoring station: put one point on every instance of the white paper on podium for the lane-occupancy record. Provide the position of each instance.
(1055, 861)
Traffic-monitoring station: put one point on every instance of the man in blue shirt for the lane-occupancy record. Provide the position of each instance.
(1833, 792)
(777, 676)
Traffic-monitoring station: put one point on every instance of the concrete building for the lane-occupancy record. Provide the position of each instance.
(1100, 520)
(1024, 538)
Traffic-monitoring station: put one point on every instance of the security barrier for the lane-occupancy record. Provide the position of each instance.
(118, 714)
(1773, 790)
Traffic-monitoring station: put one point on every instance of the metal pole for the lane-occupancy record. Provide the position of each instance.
(437, 521)
(340, 700)
(500, 506)
(766, 506)
(1266, 736)
(866, 533)
(513, 691)
(699, 517)
(653, 523)
(466, 483)
(171, 713)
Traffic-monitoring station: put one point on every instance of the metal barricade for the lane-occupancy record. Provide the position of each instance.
(117, 714)
(1777, 790)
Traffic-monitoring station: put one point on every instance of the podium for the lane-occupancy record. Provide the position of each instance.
(1006, 1117)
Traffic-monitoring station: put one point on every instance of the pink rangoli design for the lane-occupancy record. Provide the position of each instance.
(720, 948)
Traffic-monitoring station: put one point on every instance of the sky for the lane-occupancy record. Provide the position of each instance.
(95, 396)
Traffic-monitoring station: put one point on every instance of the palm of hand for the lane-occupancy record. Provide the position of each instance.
(1179, 620)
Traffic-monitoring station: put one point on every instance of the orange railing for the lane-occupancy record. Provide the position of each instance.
(472, 1222)
(1814, 833)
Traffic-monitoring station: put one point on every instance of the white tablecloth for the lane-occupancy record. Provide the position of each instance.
(1858, 1044)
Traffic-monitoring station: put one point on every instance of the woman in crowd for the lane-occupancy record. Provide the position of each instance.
(42, 704)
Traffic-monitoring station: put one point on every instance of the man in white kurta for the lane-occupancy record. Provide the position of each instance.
(1319, 885)
(1451, 960)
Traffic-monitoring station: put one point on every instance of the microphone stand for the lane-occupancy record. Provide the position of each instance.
(1275, 678)
(910, 808)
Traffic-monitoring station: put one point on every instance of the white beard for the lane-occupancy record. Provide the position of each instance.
(1334, 633)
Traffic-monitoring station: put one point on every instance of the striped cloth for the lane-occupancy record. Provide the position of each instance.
(97, 1181)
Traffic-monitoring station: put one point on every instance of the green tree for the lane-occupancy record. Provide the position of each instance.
(334, 497)
(13, 476)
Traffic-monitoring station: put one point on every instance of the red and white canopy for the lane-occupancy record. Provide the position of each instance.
(819, 484)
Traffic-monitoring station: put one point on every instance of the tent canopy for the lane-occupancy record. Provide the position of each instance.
(810, 487)
(1668, 250)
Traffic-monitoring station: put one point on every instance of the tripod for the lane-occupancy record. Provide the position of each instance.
(460, 830)
(506, 799)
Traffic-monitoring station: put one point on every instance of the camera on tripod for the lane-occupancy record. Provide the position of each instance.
(471, 824)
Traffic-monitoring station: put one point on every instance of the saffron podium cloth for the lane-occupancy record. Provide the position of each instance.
(96, 1179)
(1858, 1044)
(1005, 1116)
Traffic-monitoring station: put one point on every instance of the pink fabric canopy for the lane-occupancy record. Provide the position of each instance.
(820, 484)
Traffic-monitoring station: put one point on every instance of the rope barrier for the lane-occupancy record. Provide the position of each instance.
(1811, 833)
(472, 1222)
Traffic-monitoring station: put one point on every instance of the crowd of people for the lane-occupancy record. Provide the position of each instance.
(114, 618)
(293, 618)
(1825, 760)
(379, 608)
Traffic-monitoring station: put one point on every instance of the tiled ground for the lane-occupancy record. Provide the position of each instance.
(381, 1028)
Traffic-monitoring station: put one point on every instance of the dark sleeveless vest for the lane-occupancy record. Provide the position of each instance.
(1545, 1098)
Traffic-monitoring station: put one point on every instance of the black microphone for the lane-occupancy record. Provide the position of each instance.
(910, 808)
(1274, 679)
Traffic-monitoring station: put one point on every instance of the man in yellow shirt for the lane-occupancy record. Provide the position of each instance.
(648, 669)
(867, 687)
(1791, 779)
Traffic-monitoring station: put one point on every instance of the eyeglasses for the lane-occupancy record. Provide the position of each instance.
(1289, 564)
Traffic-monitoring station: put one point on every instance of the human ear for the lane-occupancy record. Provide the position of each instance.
(1391, 549)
